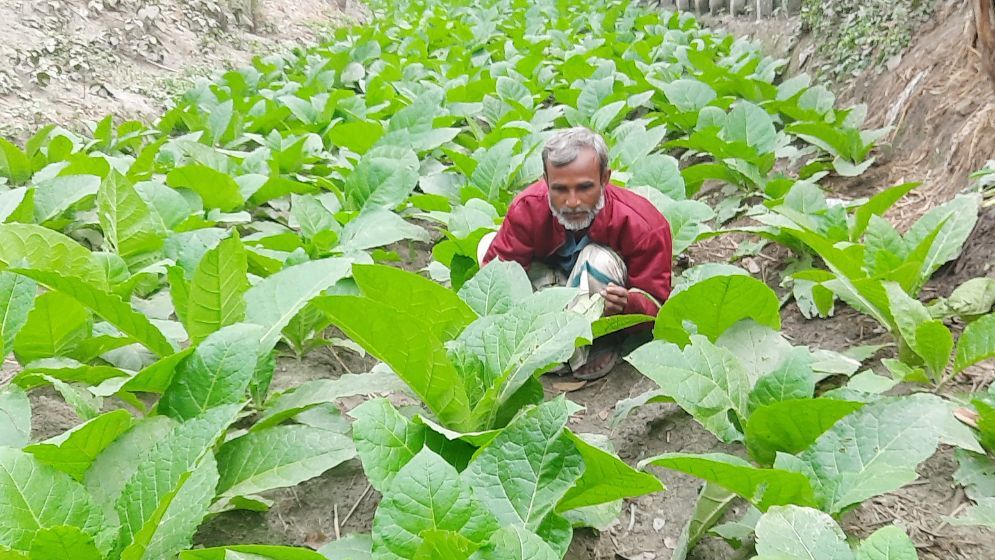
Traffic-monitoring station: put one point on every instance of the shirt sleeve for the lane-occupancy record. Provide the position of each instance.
(514, 238)
(650, 271)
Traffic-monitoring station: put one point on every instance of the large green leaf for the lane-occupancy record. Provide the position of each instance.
(319, 391)
(63, 541)
(715, 304)
(14, 163)
(513, 542)
(176, 470)
(35, 496)
(969, 300)
(871, 451)
(606, 478)
(173, 524)
(887, 543)
(215, 295)
(494, 167)
(39, 248)
(355, 546)
(662, 173)
(109, 307)
(977, 343)
(405, 343)
(155, 377)
(377, 227)
(762, 487)
(218, 372)
(687, 218)
(794, 378)
(74, 451)
(711, 505)
(427, 494)
(15, 417)
(688, 94)
(876, 206)
(217, 190)
(55, 326)
(510, 348)
(526, 470)
(274, 301)
(278, 457)
(955, 220)
(799, 532)
(37, 373)
(791, 426)
(705, 380)
(17, 294)
(386, 440)
(497, 288)
(127, 222)
(116, 464)
(58, 194)
(383, 178)
(751, 125)
(443, 311)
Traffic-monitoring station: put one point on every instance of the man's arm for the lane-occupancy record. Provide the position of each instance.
(649, 271)
(514, 238)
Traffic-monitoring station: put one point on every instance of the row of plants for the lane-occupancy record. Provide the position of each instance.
(151, 274)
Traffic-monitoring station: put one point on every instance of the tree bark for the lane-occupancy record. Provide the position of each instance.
(792, 6)
(984, 24)
(764, 9)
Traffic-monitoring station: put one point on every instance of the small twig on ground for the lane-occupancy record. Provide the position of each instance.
(335, 355)
(356, 505)
(957, 510)
(335, 516)
(162, 66)
(632, 518)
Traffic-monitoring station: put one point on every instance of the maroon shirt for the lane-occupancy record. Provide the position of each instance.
(628, 223)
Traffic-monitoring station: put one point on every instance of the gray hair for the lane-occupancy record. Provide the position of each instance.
(564, 146)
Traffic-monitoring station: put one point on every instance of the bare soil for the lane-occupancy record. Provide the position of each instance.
(73, 61)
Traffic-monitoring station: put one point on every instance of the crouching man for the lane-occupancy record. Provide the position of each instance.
(574, 228)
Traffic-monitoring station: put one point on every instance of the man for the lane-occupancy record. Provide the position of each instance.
(574, 228)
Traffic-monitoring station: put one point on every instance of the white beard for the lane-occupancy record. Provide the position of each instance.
(581, 219)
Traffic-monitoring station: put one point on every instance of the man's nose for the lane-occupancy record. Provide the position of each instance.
(573, 201)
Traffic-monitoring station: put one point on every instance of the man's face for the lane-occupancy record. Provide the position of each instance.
(575, 190)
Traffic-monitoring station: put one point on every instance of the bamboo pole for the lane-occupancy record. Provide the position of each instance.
(984, 24)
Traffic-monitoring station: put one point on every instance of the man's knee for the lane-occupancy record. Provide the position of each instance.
(606, 262)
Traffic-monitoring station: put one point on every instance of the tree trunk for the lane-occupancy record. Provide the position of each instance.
(764, 9)
(984, 23)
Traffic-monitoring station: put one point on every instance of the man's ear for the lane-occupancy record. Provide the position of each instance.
(606, 177)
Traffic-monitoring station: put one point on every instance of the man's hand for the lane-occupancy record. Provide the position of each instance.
(615, 299)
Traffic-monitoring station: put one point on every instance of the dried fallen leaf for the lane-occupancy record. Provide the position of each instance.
(967, 416)
(569, 386)
(315, 540)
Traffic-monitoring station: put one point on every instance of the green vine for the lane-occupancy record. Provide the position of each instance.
(858, 34)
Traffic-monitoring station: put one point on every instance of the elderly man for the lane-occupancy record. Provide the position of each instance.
(574, 228)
